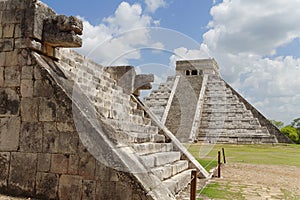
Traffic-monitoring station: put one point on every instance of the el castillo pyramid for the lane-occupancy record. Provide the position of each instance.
(198, 105)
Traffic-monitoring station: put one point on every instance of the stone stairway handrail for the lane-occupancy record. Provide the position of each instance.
(166, 112)
(175, 141)
(198, 112)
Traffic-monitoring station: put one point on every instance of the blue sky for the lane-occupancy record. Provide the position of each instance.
(256, 43)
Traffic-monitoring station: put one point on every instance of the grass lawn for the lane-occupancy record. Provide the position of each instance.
(279, 154)
(267, 154)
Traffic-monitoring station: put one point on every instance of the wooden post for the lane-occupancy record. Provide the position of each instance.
(224, 159)
(219, 164)
(193, 191)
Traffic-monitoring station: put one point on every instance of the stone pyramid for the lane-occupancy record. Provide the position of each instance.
(198, 105)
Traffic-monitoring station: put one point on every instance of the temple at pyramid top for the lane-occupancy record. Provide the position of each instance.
(197, 67)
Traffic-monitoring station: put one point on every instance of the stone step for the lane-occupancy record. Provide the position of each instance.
(161, 91)
(169, 170)
(156, 103)
(133, 137)
(227, 119)
(224, 115)
(178, 182)
(232, 98)
(160, 96)
(160, 158)
(150, 148)
(223, 111)
(128, 126)
(238, 139)
(232, 132)
(224, 106)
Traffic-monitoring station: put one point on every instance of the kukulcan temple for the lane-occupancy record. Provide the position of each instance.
(71, 128)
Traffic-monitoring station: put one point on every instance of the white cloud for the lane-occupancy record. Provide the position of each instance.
(257, 27)
(119, 37)
(241, 35)
(183, 53)
(153, 5)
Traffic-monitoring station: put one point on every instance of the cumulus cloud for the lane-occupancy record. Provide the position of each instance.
(257, 27)
(182, 53)
(242, 36)
(119, 37)
(153, 5)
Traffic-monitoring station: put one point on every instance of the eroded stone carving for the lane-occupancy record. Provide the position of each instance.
(62, 31)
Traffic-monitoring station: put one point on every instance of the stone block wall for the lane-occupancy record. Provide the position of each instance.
(273, 130)
(41, 154)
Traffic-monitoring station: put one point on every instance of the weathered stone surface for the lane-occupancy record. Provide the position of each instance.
(4, 168)
(6, 45)
(70, 187)
(26, 88)
(1, 75)
(68, 142)
(106, 174)
(31, 137)
(29, 109)
(44, 162)
(65, 127)
(47, 109)
(143, 81)
(88, 190)
(11, 58)
(73, 164)
(87, 164)
(123, 192)
(12, 76)
(124, 75)
(24, 57)
(62, 31)
(37, 73)
(42, 88)
(1, 30)
(9, 133)
(22, 173)
(8, 30)
(9, 102)
(50, 138)
(106, 190)
(47, 185)
(59, 163)
(17, 31)
(2, 59)
(27, 73)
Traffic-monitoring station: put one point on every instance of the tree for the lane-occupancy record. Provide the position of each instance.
(278, 124)
(291, 132)
(296, 123)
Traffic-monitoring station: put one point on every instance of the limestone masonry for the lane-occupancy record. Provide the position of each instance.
(202, 107)
(70, 129)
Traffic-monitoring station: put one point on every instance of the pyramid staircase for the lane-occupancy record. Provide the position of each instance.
(226, 120)
(159, 100)
(172, 173)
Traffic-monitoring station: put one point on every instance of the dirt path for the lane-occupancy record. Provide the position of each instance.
(247, 181)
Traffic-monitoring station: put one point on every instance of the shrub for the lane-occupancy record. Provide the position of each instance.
(291, 132)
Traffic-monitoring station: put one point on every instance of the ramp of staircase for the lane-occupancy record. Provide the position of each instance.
(174, 140)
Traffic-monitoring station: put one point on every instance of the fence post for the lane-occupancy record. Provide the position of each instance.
(193, 191)
(219, 164)
(224, 159)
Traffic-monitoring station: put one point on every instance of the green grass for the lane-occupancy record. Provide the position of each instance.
(280, 154)
(216, 191)
(208, 164)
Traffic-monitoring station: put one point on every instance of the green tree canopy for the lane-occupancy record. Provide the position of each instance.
(291, 132)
